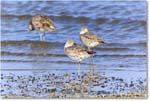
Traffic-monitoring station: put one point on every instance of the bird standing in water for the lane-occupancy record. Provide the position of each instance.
(76, 52)
(89, 39)
(42, 24)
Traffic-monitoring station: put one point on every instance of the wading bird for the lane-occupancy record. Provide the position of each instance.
(42, 24)
(89, 39)
(76, 52)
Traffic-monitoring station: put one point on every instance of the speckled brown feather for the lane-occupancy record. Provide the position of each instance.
(88, 38)
(77, 52)
(42, 23)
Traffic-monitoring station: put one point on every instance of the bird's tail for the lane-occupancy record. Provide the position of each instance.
(101, 41)
(91, 52)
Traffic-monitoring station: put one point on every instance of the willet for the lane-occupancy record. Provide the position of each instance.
(41, 23)
(76, 52)
(89, 39)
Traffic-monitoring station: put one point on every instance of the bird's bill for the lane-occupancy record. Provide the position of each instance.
(52, 27)
(30, 26)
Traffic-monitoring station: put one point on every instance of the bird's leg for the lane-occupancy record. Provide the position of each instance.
(79, 77)
(92, 55)
(89, 49)
(89, 61)
(42, 36)
(92, 61)
(79, 70)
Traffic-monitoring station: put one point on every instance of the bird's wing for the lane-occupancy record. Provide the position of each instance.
(80, 50)
(46, 19)
(92, 36)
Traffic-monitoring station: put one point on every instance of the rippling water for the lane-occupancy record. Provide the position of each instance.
(122, 25)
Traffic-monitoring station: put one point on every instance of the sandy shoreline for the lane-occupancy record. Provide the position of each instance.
(13, 96)
(57, 85)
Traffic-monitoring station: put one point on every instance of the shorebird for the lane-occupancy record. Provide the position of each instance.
(76, 52)
(42, 24)
(89, 39)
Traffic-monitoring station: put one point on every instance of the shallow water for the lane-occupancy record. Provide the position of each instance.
(122, 25)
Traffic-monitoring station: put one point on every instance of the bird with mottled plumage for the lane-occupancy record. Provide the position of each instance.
(90, 39)
(76, 52)
(41, 23)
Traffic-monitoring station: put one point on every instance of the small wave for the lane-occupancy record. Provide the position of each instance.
(31, 54)
(72, 18)
(46, 61)
(111, 49)
(63, 55)
(115, 21)
(36, 43)
(40, 43)
(127, 44)
(63, 18)
(100, 20)
(82, 19)
(118, 55)
(69, 62)
(17, 16)
(142, 22)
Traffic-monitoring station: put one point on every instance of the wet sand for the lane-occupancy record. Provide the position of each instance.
(69, 85)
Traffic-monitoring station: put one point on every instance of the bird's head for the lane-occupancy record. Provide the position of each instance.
(69, 43)
(84, 29)
(30, 26)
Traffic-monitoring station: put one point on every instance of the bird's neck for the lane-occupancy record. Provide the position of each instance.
(83, 32)
(68, 45)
